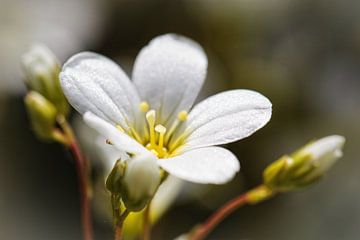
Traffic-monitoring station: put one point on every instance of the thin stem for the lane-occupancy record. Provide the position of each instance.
(146, 231)
(119, 226)
(251, 197)
(82, 172)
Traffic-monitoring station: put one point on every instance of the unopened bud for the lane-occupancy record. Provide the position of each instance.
(140, 182)
(304, 166)
(114, 180)
(42, 114)
(42, 70)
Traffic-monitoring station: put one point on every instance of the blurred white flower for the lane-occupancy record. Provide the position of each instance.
(150, 116)
(65, 26)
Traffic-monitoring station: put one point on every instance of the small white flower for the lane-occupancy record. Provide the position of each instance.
(151, 114)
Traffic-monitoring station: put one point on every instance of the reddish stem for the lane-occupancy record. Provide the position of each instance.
(146, 231)
(253, 196)
(118, 233)
(119, 225)
(81, 167)
(204, 229)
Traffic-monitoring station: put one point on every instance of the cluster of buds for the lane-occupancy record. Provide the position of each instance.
(305, 166)
(45, 100)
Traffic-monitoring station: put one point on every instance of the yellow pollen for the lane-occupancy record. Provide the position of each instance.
(144, 106)
(150, 117)
(161, 130)
(182, 116)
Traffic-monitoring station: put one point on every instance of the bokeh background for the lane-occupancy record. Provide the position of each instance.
(302, 54)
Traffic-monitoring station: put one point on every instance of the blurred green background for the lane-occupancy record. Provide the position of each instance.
(303, 55)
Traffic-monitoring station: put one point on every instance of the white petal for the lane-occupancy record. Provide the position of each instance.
(227, 117)
(324, 153)
(165, 196)
(108, 154)
(119, 140)
(329, 145)
(92, 82)
(214, 165)
(169, 73)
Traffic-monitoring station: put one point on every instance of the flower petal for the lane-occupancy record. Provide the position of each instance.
(226, 117)
(108, 154)
(92, 82)
(213, 165)
(117, 138)
(169, 73)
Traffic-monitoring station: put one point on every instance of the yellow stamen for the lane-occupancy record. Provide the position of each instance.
(120, 128)
(150, 117)
(144, 107)
(181, 117)
(161, 130)
(136, 135)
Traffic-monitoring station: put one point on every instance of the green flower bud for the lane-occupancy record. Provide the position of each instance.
(114, 180)
(42, 70)
(42, 114)
(304, 166)
(140, 182)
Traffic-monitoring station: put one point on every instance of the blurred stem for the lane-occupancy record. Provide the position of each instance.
(119, 225)
(146, 231)
(253, 196)
(82, 172)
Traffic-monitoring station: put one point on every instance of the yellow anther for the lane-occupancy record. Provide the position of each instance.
(151, 117)
(161, 130)
(120, 128)
(144, 106)
(182, 116)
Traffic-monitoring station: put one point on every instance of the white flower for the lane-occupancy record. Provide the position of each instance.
(151, 114)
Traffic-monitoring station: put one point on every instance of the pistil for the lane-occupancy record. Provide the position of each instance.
(150, 117)
(161, 130)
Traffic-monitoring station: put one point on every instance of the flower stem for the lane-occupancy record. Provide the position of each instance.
(119, 225)
(82, 172)
(253, 196)
(146, 231)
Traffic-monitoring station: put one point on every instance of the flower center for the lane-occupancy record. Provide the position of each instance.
(158, 136)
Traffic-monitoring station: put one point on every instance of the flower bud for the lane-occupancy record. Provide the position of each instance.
(140, 182)
(42, 70)
(304, 166)
(42, 114)
(114, 180)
